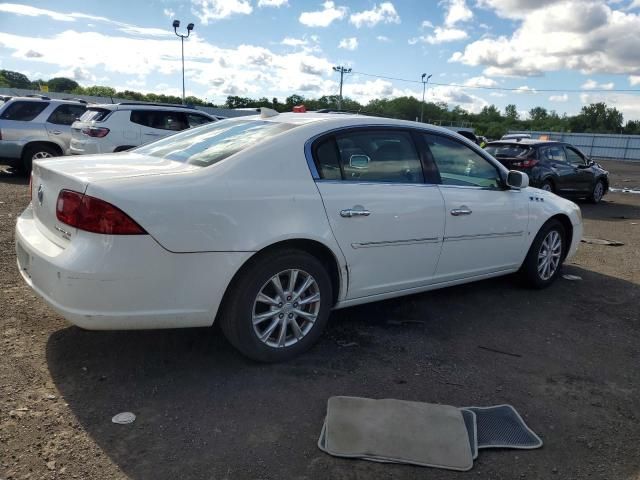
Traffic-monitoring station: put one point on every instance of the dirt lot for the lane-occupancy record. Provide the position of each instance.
(204, 412)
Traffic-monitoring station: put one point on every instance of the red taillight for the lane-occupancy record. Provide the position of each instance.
(94, 215)
(531, 162)
(98, 132)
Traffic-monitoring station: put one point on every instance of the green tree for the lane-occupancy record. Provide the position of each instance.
(538, 113)
(96, 91)
(62, 84)
(15, 79)
(597, 118)
(511, 112)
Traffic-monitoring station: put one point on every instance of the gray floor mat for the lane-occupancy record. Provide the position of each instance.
(502, 427)
(470, 422)
(397, 431)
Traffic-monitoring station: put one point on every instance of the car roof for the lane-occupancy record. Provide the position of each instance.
(524, 141)
(44, 99)
(143, 106)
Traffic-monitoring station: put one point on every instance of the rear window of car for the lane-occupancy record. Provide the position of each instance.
(23, 111)
(508, 151)
(161, 120)
(94, 115)
(66, 114)
(209, 144)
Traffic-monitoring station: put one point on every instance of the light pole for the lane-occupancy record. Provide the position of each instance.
(424, 87)
(342, 71)
(176, 24)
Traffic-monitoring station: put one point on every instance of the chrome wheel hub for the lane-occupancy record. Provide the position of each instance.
(549, 255)
(39, 155)
(286, 308)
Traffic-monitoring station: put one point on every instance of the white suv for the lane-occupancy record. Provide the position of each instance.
(120, 126)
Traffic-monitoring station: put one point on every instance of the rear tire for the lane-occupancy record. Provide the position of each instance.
(268, 326)
(597, 193)
(36, 152)
(544, 260)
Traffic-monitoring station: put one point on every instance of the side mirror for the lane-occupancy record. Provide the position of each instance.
(517, 180)
(359, 161)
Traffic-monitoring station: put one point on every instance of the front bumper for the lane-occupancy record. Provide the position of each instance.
(102, 282)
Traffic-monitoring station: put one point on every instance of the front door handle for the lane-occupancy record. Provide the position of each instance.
(56, 132)
(352, 212)
(456, 212)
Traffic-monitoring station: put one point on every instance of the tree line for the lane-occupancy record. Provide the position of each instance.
(490, 121)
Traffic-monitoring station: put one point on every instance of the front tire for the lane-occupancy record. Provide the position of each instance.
(547, 186)
(597, 193)
(544, 260)
(278, 306)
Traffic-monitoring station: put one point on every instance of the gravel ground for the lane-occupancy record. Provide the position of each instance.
(204, 412)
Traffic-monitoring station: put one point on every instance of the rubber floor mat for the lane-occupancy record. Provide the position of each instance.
(502, 427)
(397, 431)
(470, 422)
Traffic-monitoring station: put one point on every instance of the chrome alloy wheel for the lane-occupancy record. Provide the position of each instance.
(39, 155)
(286, 308)
(549, 255)
(598, 192)
(547, 187)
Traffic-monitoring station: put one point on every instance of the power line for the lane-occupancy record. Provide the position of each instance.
(519, 89)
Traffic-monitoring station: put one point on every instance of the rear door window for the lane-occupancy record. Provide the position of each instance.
(554, 154)
(195, 119)
(23, 111)
(161, 120)
(66, 114)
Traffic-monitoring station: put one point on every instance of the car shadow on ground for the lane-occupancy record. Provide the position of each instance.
(612, 210)
(565, 357)
(11, 175)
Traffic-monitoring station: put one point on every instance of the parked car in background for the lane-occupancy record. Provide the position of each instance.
(515, 136)
(36, 127)
(268, 222)
(553, 166)
(117, 127)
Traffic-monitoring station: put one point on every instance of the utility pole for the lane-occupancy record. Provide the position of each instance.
(424, 87)
(342, 71)
(176, 24)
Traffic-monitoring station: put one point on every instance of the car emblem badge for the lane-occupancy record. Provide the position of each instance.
(40, 194)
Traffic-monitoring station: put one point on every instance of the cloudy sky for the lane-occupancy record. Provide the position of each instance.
(588, 50)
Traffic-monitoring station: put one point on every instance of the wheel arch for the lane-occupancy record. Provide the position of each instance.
(313, 247)
(35, 143)
(123, 148)
(568, 228)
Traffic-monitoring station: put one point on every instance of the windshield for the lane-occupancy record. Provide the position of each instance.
(211, 143)
(508, 151)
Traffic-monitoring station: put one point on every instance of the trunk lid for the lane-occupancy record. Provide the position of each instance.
(49, 177)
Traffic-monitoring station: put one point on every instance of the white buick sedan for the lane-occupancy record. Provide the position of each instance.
(267, 223)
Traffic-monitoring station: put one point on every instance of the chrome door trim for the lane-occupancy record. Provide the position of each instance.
(393, 243)
(481, 236)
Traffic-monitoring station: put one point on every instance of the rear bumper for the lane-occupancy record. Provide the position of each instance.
(88, 147)
(102, 282)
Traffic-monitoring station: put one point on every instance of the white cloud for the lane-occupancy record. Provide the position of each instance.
(325, 17)
(634, 80)
(457, 11)
(382, 38)
(634, 4)
(443, 35)
(480, 82)
(273, 3)
(212, 10)
(588, 36)
(385, 13)
(348, 43)
(294, 42)
(559, 98)
(593, 85)
(426, 24)
(525, 89)
(168, 12)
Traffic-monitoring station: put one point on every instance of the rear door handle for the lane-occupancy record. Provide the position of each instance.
(352, 212)
(456, 212)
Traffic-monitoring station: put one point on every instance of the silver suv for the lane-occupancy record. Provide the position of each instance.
(36, 127)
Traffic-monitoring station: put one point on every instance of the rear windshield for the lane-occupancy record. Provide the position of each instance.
(94, 114)
(211, 143)
(508, 151)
